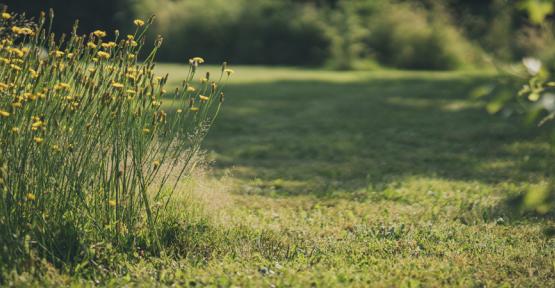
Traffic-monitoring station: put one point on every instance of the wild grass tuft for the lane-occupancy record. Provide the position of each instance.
(88, 157)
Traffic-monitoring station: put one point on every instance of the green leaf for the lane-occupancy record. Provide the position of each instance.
(537, 9)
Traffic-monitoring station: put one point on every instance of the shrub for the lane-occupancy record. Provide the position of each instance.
(246, 31)
(87, 154)
(405, 36)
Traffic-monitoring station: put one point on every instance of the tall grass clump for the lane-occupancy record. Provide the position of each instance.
(88, 157)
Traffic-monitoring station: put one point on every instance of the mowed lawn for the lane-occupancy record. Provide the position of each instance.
(381, 178)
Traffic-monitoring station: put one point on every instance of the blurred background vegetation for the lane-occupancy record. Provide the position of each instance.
(339, 34)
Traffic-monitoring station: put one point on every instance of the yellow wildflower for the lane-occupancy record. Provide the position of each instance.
(130, 56)
(26, 31)
(196, 60)
(33, 72)
(17, 105)
(229, 72)
(6, 15)
(3, 86)
(130, 76)
(91, 45)
(36, 125)
(191, 89)
(103, 55)
(131, 91)
(194, 109)
(139, 22)
(112, 203)
(146, 130)
(58, 53)
(117, 85)
(203, 98)
(99, 33)
(156, 164)
(15, 67)
(4, 60)
(15, 130)
(130, 37)
(31, 197)
(38, 140)
(108, 45)
(4, 113)
(70, 55)
(22, 31)
(179, 110)
(62, 86)
(17, 52)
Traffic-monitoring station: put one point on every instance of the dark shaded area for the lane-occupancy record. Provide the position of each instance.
(106, 15)
(349, 136)
(343, 34)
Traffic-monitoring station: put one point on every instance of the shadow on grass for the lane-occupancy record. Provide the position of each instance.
(314, 137)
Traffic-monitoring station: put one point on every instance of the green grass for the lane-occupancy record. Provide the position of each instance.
(382, 178)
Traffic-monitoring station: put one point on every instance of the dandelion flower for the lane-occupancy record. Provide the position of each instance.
(36, 125)
(139, 22)
(22, 31)
(15, 67)
(194, 109)
(31, 197)
(58, 53)
(61, 86)
(6, 15)
(156, 164)
(38, 140)
(112, 203)
(103, 55)
(15, 130)
(108, 45)
(91, 45)
(4, 113)
(33, 72)
(117, 85)
(196, 60)
(179, 110)
(99, 33)
(146, 130)
(229, 71)
(203, 98)
(191, 89)
(17, 52)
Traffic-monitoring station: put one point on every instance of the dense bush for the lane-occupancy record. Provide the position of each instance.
(249, 32)
(87, 155)
(407, 36)
(416, 34)
(341, 35)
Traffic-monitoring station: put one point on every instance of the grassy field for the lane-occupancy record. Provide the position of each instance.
(388, 178)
